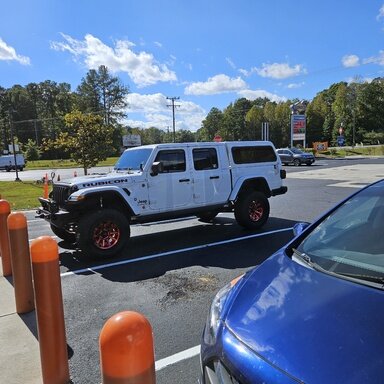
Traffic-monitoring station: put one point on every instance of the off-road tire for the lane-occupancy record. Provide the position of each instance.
(102, 234)
(252, 210)
(68, 237)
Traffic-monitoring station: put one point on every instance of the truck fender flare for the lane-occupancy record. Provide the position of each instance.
(122, 193)
(255, 183)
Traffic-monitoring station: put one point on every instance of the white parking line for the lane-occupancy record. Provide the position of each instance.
(177, 357)
(169, 253)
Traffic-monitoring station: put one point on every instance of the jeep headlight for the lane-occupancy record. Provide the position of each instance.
(215, 312)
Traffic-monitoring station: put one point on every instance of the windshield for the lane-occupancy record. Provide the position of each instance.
(295, 150)
(350, 241)
(133, 159)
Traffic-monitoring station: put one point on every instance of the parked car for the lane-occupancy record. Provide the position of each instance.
(7, 162)
(295, 156)
(313, 311)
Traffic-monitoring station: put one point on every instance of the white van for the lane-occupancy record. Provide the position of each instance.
(7, 162)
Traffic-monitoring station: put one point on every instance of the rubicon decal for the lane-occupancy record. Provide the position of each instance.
(106, 182)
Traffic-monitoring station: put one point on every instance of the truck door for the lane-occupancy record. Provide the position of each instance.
(211, 180)
(171, 188)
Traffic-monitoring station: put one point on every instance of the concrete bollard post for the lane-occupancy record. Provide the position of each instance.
(5, 210)
(126, 350)
(21, 262)
(49, 311)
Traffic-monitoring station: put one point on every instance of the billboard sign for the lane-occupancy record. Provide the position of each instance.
(131, 140)
(298, 127)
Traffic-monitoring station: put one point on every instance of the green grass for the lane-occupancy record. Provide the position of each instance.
(21, 194)
(348, 151)
(49, 164)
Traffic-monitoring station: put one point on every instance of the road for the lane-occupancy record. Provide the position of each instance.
(170, 271)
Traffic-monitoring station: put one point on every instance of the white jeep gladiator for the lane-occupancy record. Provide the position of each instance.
(163, 181)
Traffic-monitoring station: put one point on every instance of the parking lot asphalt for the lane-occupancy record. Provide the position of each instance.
(19, 348)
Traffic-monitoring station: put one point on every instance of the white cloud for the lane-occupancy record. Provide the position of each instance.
(295, 85)
(253, 95)
(146, 103)
(230, 62)
(215, 85)
(155, 112)
(141, 67)
(279, 70)
(9, 53)
(349, 61)
(379, 59)
(381, 13)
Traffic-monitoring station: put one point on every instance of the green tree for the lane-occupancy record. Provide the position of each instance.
(103, 94)
(210, 125)
(87, 138)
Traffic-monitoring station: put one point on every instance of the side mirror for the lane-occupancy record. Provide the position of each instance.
(157, 167)
(299, 228)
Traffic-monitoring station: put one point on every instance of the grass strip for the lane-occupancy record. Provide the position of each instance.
(21, 194)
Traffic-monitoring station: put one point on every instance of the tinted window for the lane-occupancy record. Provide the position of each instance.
(205, 158)
(247, 155)
(172, 160)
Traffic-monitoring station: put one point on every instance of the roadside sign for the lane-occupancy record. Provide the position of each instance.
(131, 140)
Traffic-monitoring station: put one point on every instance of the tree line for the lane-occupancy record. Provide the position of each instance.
(49, 120)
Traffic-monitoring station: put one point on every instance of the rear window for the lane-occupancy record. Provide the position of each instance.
(204, 158)
(248, 155)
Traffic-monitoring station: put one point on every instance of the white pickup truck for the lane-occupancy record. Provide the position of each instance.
(162, 181)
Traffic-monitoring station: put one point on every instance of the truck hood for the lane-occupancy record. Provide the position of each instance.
(97, 180)
(316, 327)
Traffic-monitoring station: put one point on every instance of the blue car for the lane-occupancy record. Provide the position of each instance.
(311, 313)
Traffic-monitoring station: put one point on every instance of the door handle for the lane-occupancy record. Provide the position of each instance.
(214, 177)
(184, 180)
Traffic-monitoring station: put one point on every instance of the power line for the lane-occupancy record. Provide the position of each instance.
(173, 105)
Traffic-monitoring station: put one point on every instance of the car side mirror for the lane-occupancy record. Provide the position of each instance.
(157, 167)
(299, 228)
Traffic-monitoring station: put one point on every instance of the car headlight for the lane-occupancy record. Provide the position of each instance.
(215, 312)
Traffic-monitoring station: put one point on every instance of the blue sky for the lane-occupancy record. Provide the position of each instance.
(207, 53)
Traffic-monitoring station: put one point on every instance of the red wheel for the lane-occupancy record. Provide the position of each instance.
(103, 233)
(252, 209)
(106, 235)
(256, 210)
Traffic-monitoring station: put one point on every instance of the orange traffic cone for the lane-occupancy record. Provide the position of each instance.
(45, 187)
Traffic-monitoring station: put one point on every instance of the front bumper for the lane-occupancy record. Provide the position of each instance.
(60, 218)
(231, 361)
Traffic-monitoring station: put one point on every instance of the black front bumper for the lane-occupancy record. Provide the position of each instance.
(56, 216)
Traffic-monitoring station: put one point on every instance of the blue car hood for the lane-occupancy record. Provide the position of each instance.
(315, 327)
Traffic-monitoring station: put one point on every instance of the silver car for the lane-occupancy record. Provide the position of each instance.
(295, 156)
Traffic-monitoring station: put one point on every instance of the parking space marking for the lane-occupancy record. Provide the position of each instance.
(177, 357)
(169, 253)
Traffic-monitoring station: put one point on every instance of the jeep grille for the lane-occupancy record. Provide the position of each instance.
(60, 193)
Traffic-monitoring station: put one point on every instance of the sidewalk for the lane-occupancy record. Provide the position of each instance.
(19, 348)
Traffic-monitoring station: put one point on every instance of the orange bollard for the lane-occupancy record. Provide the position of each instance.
(126, 350)
(49, 311)
(21, 262)
(5, 210)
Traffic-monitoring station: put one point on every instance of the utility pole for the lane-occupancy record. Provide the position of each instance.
(13, 144)
(173, 105)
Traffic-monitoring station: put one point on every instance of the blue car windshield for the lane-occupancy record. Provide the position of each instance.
(133, 159)
(350, 241)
